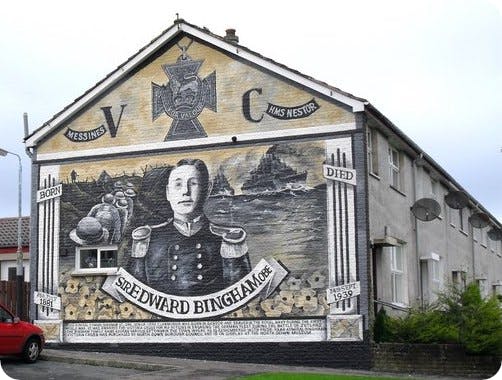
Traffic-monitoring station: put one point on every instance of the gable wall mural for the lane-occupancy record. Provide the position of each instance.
(206, 93)
(248, 242)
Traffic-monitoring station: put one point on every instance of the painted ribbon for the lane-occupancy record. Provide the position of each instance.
(81, 136)
(262, 280)
(290, 113)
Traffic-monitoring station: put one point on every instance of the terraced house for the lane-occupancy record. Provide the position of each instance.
(9, 246)
(210, 199)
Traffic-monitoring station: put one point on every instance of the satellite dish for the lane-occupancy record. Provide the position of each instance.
(426, 209)
(479, 220)
(456, 199)
(495, 234)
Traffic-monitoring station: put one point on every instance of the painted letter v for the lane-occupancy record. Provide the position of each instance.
(109, 119)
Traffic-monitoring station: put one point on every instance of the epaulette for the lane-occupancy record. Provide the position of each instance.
(233, 235)
(162, 224)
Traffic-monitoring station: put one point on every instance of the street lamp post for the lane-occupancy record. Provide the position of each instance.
(19, 256)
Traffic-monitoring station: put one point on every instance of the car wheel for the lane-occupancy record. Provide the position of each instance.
(31, 350)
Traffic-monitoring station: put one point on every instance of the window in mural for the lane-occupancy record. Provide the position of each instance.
(96, 258)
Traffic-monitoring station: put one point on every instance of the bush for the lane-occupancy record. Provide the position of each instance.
(457, 317)
(381, 330)
(480, 327)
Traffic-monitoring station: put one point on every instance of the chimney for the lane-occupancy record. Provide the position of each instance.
(231, 37)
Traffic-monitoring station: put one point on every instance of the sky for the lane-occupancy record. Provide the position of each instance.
(434, 68)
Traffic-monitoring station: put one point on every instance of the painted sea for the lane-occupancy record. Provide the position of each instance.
(290, 226)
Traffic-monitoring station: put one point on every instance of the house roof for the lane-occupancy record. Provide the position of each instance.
(8, 232)
(180, 26)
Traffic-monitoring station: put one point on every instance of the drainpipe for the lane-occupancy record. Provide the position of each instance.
(471, 232)
(26, 133)
(417, 254)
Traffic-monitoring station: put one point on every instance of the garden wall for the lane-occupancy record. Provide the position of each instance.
(437, 359)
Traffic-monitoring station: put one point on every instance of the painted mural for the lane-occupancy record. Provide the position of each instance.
(148, 236)
(190, 91)
(242, 234)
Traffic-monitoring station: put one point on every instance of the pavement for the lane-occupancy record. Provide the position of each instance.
(159, 367)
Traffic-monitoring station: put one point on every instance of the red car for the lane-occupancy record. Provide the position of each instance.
(18, 337)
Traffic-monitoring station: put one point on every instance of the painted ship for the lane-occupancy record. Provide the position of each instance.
(221, 186)
(273, 175)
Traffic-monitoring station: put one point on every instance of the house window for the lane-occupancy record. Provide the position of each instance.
(459, 279)
(12, 273)
(490, 244)
(431, 276)
(462, 220)
(481, 282)
(397, 274)
(453, 216)
(434, 188)
(435, 271)
(497, 289)
(96, 259)
(484, 237)
(394, 167)
(475, 234)
(371, 141)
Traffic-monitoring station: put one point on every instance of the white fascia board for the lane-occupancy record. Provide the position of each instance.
(357, 106)
(196, 143)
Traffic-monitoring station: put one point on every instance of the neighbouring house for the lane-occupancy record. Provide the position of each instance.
(205, 200)
(9, 245)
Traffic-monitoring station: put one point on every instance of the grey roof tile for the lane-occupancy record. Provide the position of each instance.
(8, 232)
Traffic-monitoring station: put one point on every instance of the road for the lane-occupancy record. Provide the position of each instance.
(80, 365)
(51, 370)
(55, 370)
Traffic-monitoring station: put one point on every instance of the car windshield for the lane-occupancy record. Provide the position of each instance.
(5, 315)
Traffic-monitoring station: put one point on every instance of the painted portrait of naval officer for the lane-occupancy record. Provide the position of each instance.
(188, 255)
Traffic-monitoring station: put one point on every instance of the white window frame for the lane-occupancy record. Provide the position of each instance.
(398, 280)
(395, 168)
(476, 234)
(98, 269)
(452, 217)
(491, 244)
(461, 223)
(482, 285)
(484, 237)
(497, 288)
(435, 188)
(435, 271)
(434, 274)
(372, 153)
(459, 279)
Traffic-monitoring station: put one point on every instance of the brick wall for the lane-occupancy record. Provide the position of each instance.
(354, 355)
(432, 359)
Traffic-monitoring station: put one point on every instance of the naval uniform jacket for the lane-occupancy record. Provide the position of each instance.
(210, 260)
